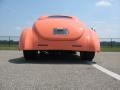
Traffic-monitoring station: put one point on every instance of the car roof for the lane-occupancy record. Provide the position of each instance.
(56, 17)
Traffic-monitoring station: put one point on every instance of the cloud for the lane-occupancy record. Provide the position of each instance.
(104, 3)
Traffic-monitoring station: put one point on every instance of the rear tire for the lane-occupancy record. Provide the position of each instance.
(87, 56)
(29, 54)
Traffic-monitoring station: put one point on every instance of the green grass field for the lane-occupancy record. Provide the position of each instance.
(110, 49)
(7, 47)
(103, 48)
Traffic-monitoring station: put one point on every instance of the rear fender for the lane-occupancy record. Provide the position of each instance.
(26, 40)
(93, 41)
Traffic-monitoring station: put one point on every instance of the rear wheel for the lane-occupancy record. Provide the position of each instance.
(87, 56)
(29, 54)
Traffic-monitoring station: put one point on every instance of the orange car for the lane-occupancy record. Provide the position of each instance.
(59, 34)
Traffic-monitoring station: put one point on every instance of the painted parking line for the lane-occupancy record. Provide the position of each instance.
(108, 72)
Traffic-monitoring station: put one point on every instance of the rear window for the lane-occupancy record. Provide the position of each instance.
(57, 16)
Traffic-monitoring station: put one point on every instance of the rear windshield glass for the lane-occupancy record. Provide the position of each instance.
(59, 16)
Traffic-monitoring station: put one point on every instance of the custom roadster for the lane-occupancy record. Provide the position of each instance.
(59, 34)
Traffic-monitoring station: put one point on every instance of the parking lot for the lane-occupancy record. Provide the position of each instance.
(59, 73)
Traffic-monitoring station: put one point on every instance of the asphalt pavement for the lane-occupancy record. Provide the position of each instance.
(59, 73)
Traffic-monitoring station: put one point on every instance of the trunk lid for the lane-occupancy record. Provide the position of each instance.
(59, 29)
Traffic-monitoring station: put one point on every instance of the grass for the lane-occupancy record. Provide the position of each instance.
(110, 49)
(103, 48)
(7, 47)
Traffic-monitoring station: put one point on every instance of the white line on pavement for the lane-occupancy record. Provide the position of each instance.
(110, 73)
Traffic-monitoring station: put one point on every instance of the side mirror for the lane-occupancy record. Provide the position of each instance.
(93, 29)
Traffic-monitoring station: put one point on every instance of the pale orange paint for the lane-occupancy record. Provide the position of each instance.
(41, 37)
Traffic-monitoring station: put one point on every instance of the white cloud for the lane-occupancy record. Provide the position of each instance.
(104, 3)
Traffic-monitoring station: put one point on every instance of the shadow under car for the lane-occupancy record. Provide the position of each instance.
(48, 59)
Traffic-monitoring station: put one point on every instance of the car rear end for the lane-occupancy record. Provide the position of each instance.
(59, 34)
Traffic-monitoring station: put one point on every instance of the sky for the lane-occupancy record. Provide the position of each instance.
(102, 15)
